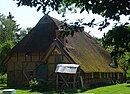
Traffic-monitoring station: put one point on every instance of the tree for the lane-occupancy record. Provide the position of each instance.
(10, 35)
(8, 29)
(23, 33)
(117, 42)
(8, 38)
(4, 50)
(109, 9)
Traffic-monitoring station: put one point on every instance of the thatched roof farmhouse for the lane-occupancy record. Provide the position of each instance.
(76, 61)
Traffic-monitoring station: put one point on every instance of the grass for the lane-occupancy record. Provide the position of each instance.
(113, 89)
(18, 91)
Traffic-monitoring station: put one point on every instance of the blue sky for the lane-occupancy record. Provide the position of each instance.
(28, 17)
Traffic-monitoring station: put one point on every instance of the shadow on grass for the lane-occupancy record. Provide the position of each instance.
(128, 85)
(60, 91)
(4, 86)
(64, 91)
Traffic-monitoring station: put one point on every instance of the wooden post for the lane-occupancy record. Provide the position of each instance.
(104, 75)
(118, 76)
(74, 81)
(57, 81)
(81, 79)
(111, 74)
(78, 79)
(92, 75)
(107, 75)
(100, 74)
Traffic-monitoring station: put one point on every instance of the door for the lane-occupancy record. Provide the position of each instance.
(42, 75)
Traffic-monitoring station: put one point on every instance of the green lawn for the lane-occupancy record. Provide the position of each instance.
(113, 89)
(25, 92)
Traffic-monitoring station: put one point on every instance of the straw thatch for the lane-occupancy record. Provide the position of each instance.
(83, 50)
(86, 52)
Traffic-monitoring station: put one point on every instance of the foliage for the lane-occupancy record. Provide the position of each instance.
(128, 73)
(8, 29)
(109, 9)
(117, 42)
(33, 85)
(3, 78)
(10, 35)
(8, 38)
(38, 85)
(4, 49)
(23, 33)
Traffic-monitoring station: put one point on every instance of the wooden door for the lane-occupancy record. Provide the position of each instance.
(42, 75)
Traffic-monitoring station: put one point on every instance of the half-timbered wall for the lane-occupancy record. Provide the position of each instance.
(56, 57)
(102, 77)
(21, 67)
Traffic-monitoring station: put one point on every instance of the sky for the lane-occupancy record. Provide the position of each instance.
(29, 17)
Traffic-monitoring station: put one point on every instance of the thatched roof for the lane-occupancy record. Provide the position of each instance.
(86, 52)
(40, 37)
(80, 49)
(83, 50)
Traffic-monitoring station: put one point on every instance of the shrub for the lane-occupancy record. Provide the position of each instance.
(3, 78)
(38, 85)
(33, 85)
(42, 85)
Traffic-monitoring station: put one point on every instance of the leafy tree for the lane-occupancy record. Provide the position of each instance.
(109, 9)
(117, 42)
(10, 35)
(4, 49)
(23, 33)
(8, 29)
(8, 38)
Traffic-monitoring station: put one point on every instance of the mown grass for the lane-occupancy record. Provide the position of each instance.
(113, 89)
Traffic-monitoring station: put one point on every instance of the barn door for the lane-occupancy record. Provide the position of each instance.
(42, 75)
(10, 78)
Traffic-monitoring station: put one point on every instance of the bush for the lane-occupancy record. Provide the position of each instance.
(42, 85)
(3, 78)
(38, 85)
(33, 85)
